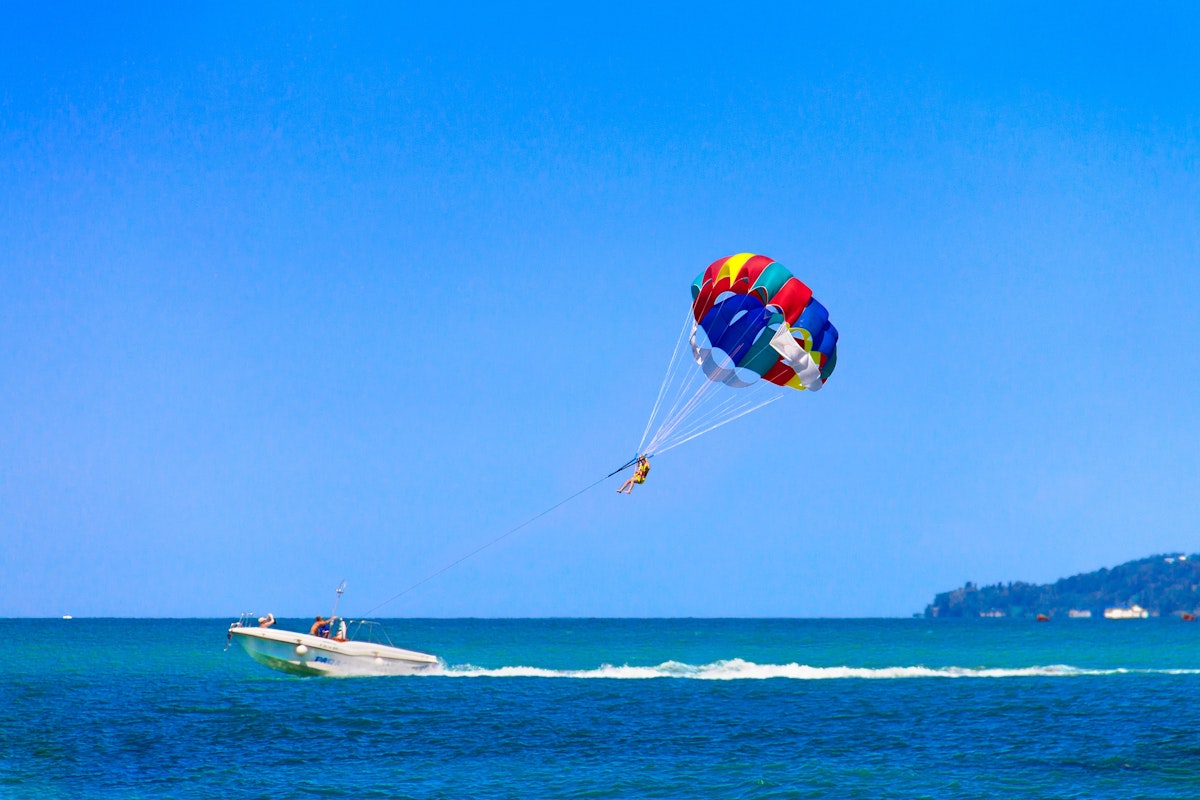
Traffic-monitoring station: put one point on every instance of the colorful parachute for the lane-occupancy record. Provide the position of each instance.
(754, 319)
(752, 324)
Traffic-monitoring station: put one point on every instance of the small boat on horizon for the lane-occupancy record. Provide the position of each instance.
(1133, 612)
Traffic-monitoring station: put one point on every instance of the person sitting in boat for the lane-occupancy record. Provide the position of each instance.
(267, 621)
(320, 627)
(639, 475)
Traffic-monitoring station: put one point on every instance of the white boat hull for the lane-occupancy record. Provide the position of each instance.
(302, 654)
(1133, 612)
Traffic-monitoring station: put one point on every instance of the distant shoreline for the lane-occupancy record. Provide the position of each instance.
(1163, 585)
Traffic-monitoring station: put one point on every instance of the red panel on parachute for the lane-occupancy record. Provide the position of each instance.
(713, 269)
(752, 269)
(779, 374)
(792, 297)
(704, 301)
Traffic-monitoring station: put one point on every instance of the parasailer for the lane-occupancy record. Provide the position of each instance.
(639, 475)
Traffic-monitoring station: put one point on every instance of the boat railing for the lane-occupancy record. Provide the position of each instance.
(245, 620)
(367, 630)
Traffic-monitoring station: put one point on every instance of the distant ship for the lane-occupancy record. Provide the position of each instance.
(1077, 613)
(1133, 612)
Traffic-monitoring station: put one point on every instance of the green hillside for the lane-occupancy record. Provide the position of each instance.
(1163, 585)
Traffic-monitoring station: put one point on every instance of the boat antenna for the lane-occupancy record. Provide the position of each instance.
(339, 591)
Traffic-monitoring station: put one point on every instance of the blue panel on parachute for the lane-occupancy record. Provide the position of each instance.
(734, 323)
(826, 342)
(814, 318)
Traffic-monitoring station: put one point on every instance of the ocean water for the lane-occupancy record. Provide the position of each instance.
(573, 708)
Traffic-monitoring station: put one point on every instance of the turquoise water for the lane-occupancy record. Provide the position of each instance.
(613, 709)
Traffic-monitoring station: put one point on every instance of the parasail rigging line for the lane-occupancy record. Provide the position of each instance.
(502, 536)
(695, 431)
(668, 378)
(690, 404)
(699, 412)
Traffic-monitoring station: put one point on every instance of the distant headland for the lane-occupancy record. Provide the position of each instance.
(1160, 585)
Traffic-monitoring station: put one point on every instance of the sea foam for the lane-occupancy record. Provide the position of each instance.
(738, 669)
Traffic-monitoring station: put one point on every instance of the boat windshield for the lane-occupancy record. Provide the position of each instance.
(366, 630)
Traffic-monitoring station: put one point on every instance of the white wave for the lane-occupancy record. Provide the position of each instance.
(738, 669)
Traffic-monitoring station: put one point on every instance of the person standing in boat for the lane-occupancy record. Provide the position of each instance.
(320, 627)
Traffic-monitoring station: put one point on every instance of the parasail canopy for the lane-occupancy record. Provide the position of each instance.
(752, 324)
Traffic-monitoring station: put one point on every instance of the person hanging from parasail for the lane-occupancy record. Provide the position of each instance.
(639, 475)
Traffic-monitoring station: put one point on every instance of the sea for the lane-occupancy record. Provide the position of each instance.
(612, 708)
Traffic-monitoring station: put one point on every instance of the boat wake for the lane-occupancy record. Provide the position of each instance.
(738, 669)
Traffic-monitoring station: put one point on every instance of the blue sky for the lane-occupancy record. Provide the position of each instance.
(294, 294)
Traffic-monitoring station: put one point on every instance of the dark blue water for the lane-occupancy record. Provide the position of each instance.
(613, 709)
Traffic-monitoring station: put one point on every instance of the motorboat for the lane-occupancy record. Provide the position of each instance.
(1133, 612)
(359, 648)
(304, 654)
